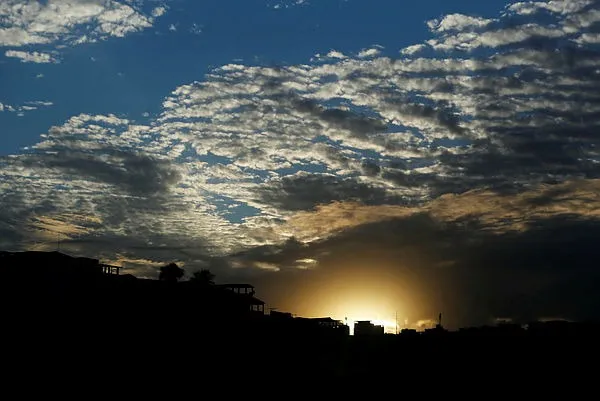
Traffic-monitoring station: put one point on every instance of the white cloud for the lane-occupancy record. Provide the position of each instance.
(410, 50)
(555, 6)
(588, 38)
(336, 54)
(372, 52)
(458, 22)
(68, 21)
(501, 37)
(31, 57)
(159, 11)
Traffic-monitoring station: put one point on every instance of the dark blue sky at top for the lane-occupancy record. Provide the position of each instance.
(130, 76)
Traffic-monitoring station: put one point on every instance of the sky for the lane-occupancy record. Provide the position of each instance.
(351, 158)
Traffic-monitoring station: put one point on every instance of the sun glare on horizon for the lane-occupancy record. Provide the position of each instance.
(377, 313)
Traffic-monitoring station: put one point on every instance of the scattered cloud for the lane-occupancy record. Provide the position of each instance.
(31, 57)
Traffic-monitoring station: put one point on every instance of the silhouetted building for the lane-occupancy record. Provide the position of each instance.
(109, 269)
(308, 326)
(280, 315)
(409, 333)
(242, 289)
(245, 294)
(328, 324)
(366, 328)
(51, 263)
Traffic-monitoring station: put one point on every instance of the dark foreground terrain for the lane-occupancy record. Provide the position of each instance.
(87, 323)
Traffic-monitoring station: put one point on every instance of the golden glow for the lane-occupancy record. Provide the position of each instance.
(363, 305)
(362, 287)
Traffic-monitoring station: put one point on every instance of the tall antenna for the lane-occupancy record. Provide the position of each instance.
(396, 322)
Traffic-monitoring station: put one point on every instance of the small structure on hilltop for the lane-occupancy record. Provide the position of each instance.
(307, 325)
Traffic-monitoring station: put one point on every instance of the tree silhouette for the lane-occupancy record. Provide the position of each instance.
(203, 277)
(170, 273)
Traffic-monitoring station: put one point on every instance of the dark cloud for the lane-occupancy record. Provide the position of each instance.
(305, 191)
(370, 168)
(440, 115)
(439, 184)
(360, 126)
(135, 173)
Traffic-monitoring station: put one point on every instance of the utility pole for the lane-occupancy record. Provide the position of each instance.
(396, 320)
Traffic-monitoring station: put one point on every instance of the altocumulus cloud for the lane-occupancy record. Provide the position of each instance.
(464, 164)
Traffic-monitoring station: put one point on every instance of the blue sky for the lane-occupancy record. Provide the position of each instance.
(257, 136)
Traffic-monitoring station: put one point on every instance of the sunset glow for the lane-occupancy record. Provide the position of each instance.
(376, 308)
